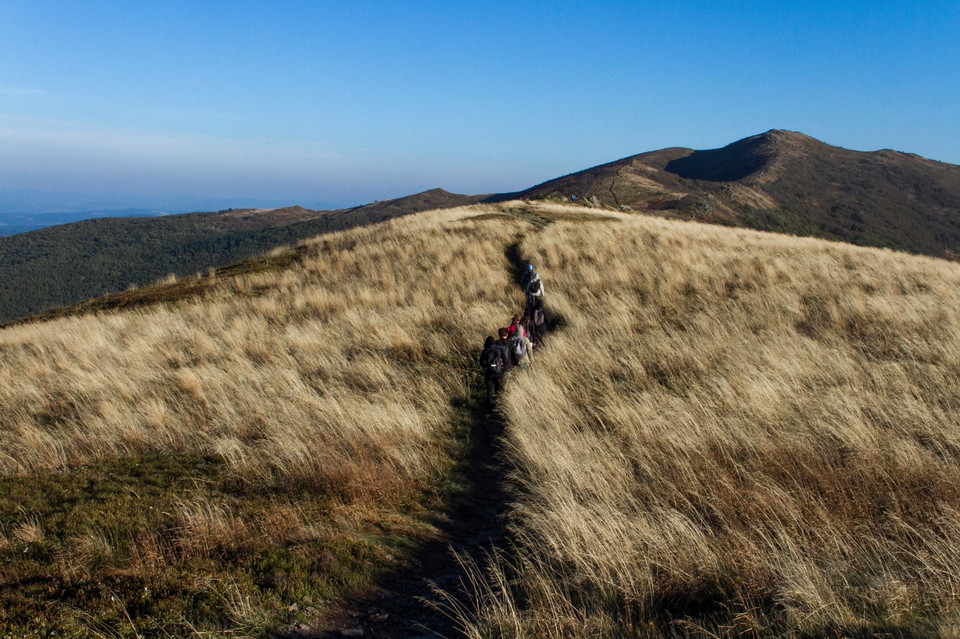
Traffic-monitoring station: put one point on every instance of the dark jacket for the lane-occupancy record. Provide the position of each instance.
(490, 345)
(534, 332)
(525, 278)
(509, 356)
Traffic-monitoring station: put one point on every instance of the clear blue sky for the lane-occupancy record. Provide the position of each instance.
(355, 100)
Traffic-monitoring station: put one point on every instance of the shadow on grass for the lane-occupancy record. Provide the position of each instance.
(405, 603)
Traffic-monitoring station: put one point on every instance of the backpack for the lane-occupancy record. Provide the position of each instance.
(535, 287)
(492, 362)
(518, 348)
(539, 317)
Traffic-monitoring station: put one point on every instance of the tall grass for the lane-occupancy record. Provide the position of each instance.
(735, 433)
(320, 373)
(323, 384)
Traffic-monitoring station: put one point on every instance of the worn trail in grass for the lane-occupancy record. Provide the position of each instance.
(418, 599)
(411, 601)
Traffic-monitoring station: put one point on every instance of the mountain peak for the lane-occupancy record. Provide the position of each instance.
(743, 158)
(785, 135)
(784, 181)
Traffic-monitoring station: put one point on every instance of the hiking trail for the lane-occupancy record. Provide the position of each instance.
(405, 603)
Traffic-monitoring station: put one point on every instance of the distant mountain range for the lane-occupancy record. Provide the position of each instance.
(776, 181)
(787, 182)
(23, 210)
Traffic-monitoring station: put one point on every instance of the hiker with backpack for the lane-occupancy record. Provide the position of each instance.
(534, 289)
(512, 329)
(522, 347)
(491, 360)
(508, 354)
(525, 276)
(525, 323)
(537, 324)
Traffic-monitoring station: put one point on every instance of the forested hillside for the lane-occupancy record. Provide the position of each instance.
(66, 264)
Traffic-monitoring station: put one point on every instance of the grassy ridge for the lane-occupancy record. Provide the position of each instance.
(735, 433)
(203, 465)
(786, 182)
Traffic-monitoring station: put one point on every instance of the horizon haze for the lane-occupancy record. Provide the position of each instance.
(326, 105)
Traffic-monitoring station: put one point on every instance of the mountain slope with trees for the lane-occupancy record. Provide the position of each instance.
(786, 182)
(776, 181)
(63, 265)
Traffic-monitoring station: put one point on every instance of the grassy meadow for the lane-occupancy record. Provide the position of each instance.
(733, 434)
(274, 438)
(730, 433)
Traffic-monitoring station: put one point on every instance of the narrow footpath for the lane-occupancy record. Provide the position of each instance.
(407, 604)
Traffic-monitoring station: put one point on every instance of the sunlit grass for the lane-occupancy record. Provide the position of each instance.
(732, 433)
(273, 440)
(735, 433)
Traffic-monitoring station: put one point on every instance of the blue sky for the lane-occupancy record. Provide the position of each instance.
(346, 102)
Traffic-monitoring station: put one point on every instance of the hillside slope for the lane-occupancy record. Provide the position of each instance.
(730, 432)
(777, 181)
(787, 182)
(65, 264)
(226, 463)
(14, 223)
(734, 433)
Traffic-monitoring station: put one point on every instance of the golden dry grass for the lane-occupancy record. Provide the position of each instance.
(334, 375)
(735, 433)
(320, 373)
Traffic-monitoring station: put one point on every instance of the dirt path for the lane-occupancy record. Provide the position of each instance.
(405, 604)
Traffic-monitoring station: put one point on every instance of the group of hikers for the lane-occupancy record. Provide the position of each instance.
(517, 341)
